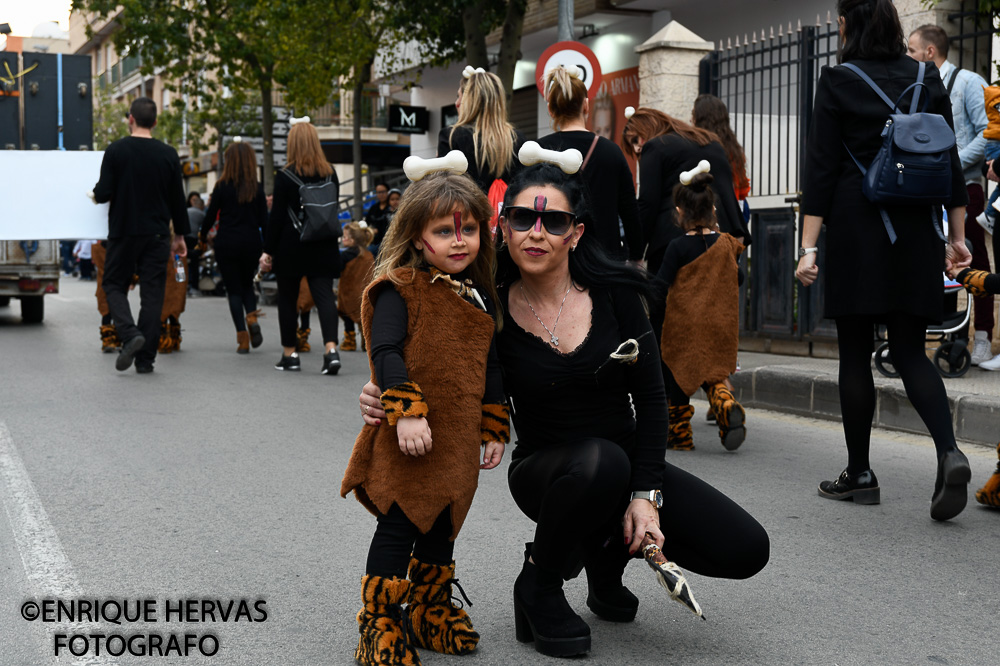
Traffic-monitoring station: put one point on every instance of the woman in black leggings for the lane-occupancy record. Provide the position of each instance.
(239, 204)
(880, 269)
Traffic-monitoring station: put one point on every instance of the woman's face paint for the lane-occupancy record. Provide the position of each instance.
(540, 202)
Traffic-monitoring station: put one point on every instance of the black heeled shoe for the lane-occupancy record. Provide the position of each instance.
(607, 597)
(951, 489)
(542, 614)
(862, 488)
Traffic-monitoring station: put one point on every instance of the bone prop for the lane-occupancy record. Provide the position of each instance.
(470, 70)
(629, 112)
(567, 160)
(92, 196)
(574, 71)
(237, 139)
(416, 168)
(295, 121)
(688, 176)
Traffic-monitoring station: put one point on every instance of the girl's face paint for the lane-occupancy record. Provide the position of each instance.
(458, 226)
(448, 243)
(428, 246)
(540, 202)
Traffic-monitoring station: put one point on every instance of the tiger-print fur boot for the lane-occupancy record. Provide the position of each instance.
(166, 345)
(989, 495)
(435, 622)
(109, 339)
(382, 624)
(680, 437)
(350, 341)
(175, 334)
(729, 414)
(302, 344)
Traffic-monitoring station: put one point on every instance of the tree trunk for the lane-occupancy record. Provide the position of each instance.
(475, 37)
(510, 45)
(267, 127)
(359, 87)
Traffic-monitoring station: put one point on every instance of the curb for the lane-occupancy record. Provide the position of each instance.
(976, 419)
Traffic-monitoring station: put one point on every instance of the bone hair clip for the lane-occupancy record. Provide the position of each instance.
(237, 139)
(292, 122)
(416, 168)
(469, 71)
(567, 160)
(629, 112)
(687, 176)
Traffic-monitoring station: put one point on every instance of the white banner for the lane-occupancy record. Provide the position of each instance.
(43, 195)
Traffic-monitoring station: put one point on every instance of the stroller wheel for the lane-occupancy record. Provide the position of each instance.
(883, 362)
(952, 360)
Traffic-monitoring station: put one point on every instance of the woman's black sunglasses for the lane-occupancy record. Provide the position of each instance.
(522, 218)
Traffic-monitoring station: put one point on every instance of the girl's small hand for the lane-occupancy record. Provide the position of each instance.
(807, 271)
(414, 435)
(492, 455)
(265, 262)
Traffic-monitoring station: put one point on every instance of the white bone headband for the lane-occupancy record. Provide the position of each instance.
(567, 160)
(629, 112)
(295, 121)
(237, 139)
(470, 70)
(363, 224)
(416, 168)
(688, 176)
(571, 70)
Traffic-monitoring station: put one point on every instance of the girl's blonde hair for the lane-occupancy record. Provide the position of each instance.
(565, 95)
(436, 196)
(362, 236)
(305, 154)
(484, 110)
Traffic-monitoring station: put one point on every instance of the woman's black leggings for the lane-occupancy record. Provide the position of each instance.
(288, 315)
(237, 274)
(923, 384)
(396, 537)
(577, 494)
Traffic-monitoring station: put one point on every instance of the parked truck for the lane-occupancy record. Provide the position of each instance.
(28, 271)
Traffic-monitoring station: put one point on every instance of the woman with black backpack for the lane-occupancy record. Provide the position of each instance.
(291, 259)
(870, 277)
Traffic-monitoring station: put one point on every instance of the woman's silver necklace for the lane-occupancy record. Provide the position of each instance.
(552, 334)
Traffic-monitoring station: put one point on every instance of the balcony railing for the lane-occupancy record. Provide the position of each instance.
(374, 110)
(129, 65)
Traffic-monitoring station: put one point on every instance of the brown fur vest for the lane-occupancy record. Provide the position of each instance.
(445, 352)
(701, 328)
(175, 294)
(98, 253)
(354, 278)
(305, 302)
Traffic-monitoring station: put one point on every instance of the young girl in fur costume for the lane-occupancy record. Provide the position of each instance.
(701, 326)
(428, 320)
(357, 263)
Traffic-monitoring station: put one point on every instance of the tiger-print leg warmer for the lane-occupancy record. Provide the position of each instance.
(436, 622)
(382, 624)
(989, 495)
(680, 437)
(729, 414)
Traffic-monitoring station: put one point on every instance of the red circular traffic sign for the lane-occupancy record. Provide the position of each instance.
(569, 53)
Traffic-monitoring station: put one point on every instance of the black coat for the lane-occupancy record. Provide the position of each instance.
(864, 273)
(240, 224)
(292, 256)
(462, 140)
(660, 166)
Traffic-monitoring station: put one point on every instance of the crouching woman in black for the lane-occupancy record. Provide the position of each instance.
(575, 346)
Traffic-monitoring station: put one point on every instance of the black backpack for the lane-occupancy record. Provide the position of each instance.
(316, 219)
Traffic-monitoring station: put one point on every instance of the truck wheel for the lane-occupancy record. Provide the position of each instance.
(32, 309)
(4, 301)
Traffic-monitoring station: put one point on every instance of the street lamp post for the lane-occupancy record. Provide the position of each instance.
(565, 21)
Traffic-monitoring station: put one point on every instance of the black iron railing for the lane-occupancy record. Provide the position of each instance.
(971, 46)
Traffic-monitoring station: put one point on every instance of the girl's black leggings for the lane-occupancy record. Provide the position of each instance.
(577, 494)
(396, 537)
(237, 274)
(288, 315)
(923, 384)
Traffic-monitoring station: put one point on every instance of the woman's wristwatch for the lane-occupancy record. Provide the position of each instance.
(655, 497)
(803, 251)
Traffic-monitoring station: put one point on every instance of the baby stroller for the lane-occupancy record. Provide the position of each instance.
(952, 357)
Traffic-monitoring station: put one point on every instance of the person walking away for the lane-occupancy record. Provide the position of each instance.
(109, 337)
(196, 218)
(239, 204)
(700, 337)
(433, 287)
(870, 279)
(291, 259)
(141, 178)
(82, 252)
(357, 264)
(929, 43)
(377, 216)
(174, 302)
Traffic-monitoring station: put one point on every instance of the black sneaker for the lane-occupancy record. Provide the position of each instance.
(143, 368)
(289, 363)
(331, 363)
(861, 488)
(129, 349)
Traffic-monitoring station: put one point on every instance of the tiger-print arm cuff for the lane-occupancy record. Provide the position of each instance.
(495, 426)
(404, 399)
(974, 281)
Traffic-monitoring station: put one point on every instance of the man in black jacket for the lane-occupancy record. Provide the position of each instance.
(141, 177)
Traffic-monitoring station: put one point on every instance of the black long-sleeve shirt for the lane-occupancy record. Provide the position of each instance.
(685, 249)
(240, 224)
(142, 180)
(610, 188)
(463, 139)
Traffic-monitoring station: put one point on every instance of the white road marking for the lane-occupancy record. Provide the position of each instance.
(45, 563)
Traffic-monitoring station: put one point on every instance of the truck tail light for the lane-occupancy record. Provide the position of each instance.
(28, 284)
(51, 289)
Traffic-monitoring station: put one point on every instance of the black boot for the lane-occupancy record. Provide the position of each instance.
(542, 614)
(607, 597)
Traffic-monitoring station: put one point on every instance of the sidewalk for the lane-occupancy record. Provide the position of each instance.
(808, 386)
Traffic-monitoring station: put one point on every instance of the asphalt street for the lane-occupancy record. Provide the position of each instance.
(217, 478)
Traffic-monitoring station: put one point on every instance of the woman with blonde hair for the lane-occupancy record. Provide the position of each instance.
(291, 259)
(608, 180)
(239, 204)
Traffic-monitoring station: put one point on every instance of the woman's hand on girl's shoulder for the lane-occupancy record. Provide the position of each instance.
(492, 455)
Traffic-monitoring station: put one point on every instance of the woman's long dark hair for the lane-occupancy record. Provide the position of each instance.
(871, 31)
(589, 265)
(710, 113)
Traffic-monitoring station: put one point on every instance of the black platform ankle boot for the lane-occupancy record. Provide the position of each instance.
(607, 596)
(542, 614)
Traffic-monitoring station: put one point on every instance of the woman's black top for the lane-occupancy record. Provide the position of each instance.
(685, 249)
(378, 218)
(864, 273)
(660, 166)
(558, 398)
(609, 188)
(240, 224)
(290, 255)
(462, 140)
